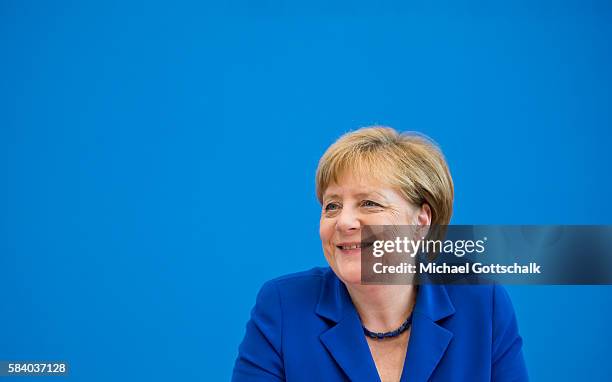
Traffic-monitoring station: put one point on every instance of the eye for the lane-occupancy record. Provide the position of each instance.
(332, 206)
(369, 203)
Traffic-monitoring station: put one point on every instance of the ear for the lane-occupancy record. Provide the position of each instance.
(424, 216)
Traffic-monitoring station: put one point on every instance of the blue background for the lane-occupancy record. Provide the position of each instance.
(157, 161)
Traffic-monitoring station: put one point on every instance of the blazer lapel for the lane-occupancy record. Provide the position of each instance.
(347, 345)
(344, 339)
(350, 350)
(428, 340)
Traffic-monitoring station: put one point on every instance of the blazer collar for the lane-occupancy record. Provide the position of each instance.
(346, 343)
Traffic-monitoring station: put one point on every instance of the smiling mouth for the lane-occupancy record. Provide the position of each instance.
(348, 247)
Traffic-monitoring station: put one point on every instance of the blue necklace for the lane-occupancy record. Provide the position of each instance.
(391, 334)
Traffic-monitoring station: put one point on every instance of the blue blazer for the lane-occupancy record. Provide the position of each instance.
(304, 327)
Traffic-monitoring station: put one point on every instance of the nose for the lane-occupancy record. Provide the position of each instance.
(348, 221)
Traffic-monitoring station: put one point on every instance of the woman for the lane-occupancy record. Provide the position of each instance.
(324, 325)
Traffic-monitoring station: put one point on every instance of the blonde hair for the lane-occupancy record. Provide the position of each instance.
(410, 162)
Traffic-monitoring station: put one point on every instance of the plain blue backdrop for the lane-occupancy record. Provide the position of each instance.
(157, 161)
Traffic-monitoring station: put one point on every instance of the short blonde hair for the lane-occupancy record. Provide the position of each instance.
(410, 162)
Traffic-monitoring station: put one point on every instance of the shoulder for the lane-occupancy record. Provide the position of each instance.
(297, 281)
(485, 305)
(312, 275)
(484, 295)
(295, 289)
(485, 313)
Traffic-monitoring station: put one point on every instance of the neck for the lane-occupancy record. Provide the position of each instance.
(382, 307)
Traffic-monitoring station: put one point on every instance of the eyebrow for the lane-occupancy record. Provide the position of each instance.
(359, 195)
(332, 196)
(371, 193)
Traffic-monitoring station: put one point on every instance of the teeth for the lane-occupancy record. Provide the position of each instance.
(353, 246)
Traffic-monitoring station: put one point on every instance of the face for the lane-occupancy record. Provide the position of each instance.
(353, 203)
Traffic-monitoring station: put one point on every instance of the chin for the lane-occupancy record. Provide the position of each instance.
(349, 271)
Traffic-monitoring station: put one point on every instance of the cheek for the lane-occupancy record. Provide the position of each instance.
(410, 218)
(326, 230)
(403, 217)
(382, 218)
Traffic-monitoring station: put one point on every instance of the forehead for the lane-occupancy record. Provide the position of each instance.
(352, 184)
